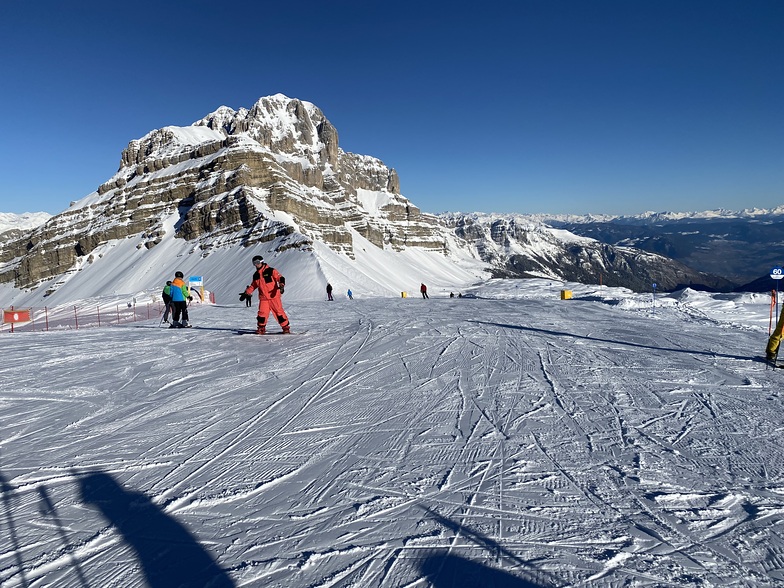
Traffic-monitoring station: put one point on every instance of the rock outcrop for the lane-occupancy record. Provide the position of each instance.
(232, 178)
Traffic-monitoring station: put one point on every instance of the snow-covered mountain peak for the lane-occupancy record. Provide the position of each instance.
(278, 123)
(286, 127)
(270, 174)
(22, 222)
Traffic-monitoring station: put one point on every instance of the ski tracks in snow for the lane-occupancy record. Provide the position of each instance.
(399, 440)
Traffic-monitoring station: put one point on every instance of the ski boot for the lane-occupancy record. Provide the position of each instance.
(261, 330)
(175, 325)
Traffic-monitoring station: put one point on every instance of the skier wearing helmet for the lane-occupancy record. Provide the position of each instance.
(180, 295)
(270, 285)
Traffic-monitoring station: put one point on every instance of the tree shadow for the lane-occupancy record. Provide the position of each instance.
(444, 569)
(616, 342)
(169, 554)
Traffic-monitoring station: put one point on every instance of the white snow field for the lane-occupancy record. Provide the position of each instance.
(508, 440)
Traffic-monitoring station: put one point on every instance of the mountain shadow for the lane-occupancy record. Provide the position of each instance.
(170, 556)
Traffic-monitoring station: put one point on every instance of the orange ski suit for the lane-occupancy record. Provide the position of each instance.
(270, 285)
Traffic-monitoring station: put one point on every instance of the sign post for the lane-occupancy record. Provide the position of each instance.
(776, 274)
(194, 281)
(17, 315)
(654, 298)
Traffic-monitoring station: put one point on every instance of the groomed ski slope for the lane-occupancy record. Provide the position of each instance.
(512, 440)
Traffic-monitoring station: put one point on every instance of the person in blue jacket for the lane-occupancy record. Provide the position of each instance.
(180, 296)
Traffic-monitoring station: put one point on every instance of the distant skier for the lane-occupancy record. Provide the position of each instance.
(270, 284)
(350, 294)
(180, 296)
(329, 292)
(423, 289)
(167, 301)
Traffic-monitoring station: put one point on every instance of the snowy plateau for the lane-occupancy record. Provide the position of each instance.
(504, 438)
(500, 433)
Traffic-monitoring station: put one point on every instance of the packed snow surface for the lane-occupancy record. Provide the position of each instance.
(504, 438)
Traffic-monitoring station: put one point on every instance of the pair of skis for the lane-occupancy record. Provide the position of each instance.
(253, 332)
(774, 363)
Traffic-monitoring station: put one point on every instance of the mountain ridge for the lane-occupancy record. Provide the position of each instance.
(740, 247)
(647, 216)
(274, 178)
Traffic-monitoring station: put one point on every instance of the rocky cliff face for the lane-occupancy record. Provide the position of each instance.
(232, 178)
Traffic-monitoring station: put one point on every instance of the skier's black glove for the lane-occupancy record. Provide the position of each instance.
(244, 297)
(281, 288)
(190, 298)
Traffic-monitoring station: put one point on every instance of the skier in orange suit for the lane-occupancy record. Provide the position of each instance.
(270, 285)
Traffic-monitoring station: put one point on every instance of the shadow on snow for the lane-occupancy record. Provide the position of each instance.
(616, 342)
(168, 553)
(444, 569)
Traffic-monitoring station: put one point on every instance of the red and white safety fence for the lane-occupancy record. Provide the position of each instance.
(77, 317)
(86, 315)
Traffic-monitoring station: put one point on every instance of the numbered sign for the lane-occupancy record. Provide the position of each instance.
(777, 273)
(17, 315)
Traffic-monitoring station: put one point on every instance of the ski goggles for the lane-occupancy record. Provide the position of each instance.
(257, 263)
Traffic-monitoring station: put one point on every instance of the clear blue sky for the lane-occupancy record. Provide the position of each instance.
(553, 106)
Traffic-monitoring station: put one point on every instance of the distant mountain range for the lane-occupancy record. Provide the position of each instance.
(273, 178)
(522, 246)
(739, 246)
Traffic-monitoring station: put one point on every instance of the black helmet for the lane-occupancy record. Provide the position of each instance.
(178, 275)
(257, 258)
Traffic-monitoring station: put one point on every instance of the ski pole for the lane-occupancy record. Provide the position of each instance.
(776, 355)
(46, 507)
(166, 309)
(7, 490)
